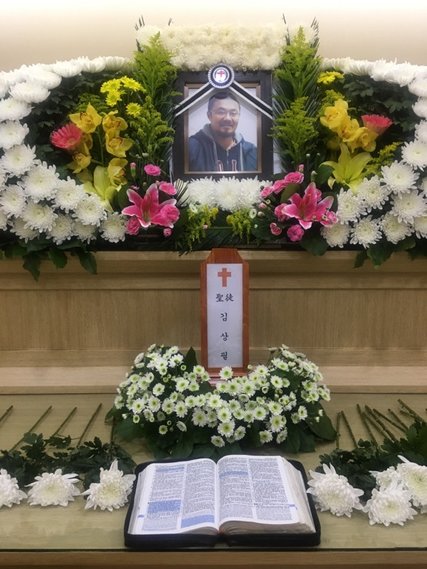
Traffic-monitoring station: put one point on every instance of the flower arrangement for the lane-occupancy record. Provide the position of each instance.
(170, 401)
(387, 481)
(80, 140)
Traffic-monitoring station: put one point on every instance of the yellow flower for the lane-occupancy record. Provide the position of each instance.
(335, 116)
(349, 170)
(134, 109)
(131, 84)
(111, 85)
(113, 124)
(118, 145)
(101, 185)
(363, 138)
(116, 170)
(88, 120)
(113, 98)
(80, 162)
(328, 77)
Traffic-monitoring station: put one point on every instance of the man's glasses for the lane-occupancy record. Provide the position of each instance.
(223, 113)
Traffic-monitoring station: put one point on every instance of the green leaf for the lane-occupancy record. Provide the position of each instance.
(58, 258)
(292, 443)
(183, 449)
(32, 264)
(380, 252)
(128, 430)
(314, 244)
(322, 428)
(87, 261)
(190, 359)
(361, 257)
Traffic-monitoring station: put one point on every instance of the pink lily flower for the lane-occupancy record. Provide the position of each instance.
(149, 211)
(308, 209)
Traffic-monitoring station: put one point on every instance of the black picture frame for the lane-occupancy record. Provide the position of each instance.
(254, 92)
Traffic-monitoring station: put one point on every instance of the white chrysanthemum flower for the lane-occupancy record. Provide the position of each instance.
(386, 477)
(420, 226)
(419, 87)
(24, 232)
(399, 177)
(62, 229)
(12, 133)
(42, 76)
(415, 153)
(366, 232)
(29, 92)
(420, 108)
(349, 207)
(227, 194)
(113, 229)
(372, 193)
(145, 33)
(85, 233)
(116, 62)
(53, 489)
(390, 505)
(18, 159)
(38, 216)
(217, 441)
(401, 73)
(90, 210)
(421, 132)
(336, 235)
(67, 68)
(13, 110)
(332, 492)
(93, 65)
(40, 182)
(68, 194)
(12, 200)
(414, 477)
(112, 490)
(226, 373)
(9, 490)
(408, 206)
(394, 229)
(265, 437)
(3, 221)
(201, 192)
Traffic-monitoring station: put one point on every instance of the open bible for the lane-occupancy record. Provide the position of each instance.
(248, 500)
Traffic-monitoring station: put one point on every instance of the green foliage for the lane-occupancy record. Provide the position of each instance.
(38, 455)
(194, 223)
(241, 224)
(295, 130)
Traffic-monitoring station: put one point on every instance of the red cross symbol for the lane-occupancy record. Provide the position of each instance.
(224, 274)
(220, 73)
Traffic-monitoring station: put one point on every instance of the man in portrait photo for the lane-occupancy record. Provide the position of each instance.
(218, 147)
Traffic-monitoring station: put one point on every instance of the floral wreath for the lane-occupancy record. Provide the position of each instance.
(85, 145)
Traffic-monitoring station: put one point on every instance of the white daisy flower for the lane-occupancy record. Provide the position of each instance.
(18, 159)
(40, 182)
(24, 232)
(217, 441)
(366, 232)
(349, 207)
(336, 235)
(332, 492)
(12, 200)
(282, 436)
(390, 505)
(29, 92)
(421, 132)
(12, 133)
(420, 108)
(408, 206)
(93, 65)
(113, 229)
(199, 417)
(372, 193)
(13, 110)
(68, 194)
(399, 177)
(53, 489)
(227, 194)
(415, 153)
(265, 437)
(420, 226)
(226, 429)
(419, 87)
(112, 490)
(414, 477)
(394, 229)
(85, 232)
(62, 229)
(9, 490)
(386, 477)
(90, 210)
(116, 62)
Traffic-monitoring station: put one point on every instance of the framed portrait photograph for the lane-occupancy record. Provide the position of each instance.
(223, 131)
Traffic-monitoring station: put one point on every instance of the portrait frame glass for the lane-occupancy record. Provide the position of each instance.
(254, 122)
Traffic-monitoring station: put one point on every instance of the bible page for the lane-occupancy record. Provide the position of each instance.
(175, 497)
